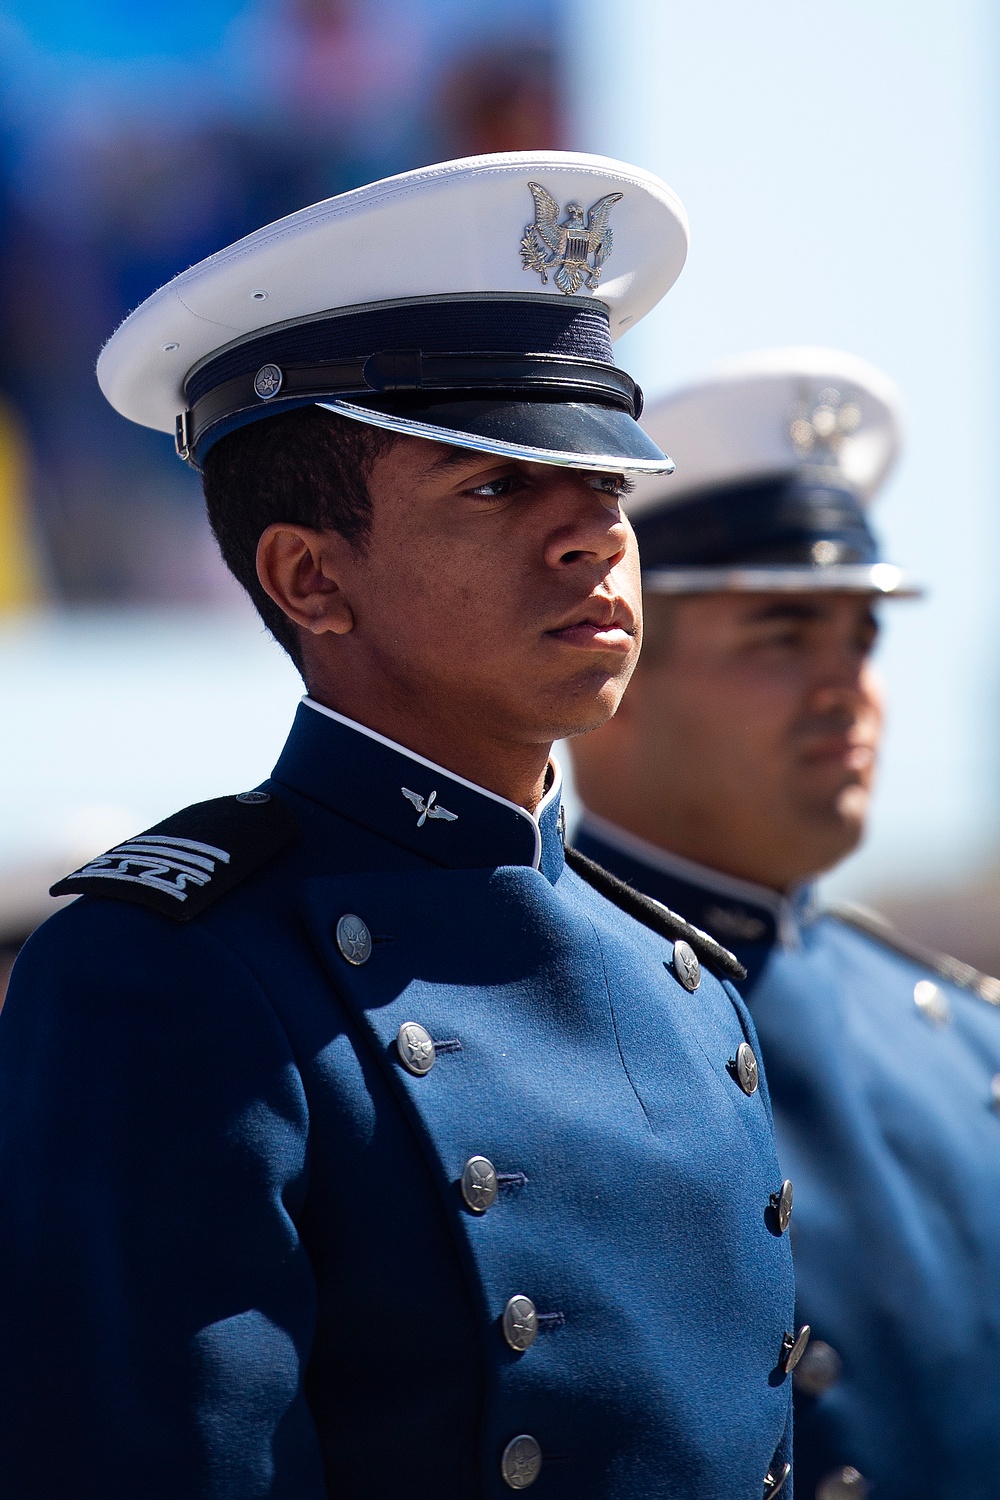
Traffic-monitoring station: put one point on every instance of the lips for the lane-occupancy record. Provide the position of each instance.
(853, 754)
(602, 624)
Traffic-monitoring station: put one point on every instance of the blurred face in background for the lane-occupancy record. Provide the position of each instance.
(748, 737)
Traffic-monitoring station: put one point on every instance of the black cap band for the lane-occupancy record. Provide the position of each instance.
(442, 350)
(801, 518)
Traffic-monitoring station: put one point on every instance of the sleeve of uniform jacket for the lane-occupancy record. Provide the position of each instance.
(156, 1304)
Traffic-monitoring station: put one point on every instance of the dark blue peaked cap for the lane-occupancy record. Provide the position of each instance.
(778, 457)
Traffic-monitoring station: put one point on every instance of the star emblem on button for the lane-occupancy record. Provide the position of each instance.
(479, 1184)
(416, 1048)
(781, 1205)
(744, 1068)
(353, 939)
(520, 1323)
(521, 1462)
(686, 965)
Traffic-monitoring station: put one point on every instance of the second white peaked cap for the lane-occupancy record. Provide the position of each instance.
(779, 455)
(389, 303)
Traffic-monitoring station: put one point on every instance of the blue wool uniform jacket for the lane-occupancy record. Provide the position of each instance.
(236, 1261)
(888, 1127)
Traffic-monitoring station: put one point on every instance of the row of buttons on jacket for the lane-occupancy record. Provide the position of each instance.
(521, 1460)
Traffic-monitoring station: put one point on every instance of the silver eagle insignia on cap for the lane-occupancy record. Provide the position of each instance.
(428, 809)
(566, 249)
(820, 427)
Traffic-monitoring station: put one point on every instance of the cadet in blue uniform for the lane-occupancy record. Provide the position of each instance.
(737, 769)
(355, 1141)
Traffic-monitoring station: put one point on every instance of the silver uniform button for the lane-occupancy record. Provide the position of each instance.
(520, 1323)
(353, 939)
(252, 799)
(931, 1002)
(774, 1479)
(415, 1048)
(747, 1072)
(843, 1484)
(521, 1462)
(686, 965)
(819, 1369)
(793, 1346)
(479, 1184)
(781, 1203)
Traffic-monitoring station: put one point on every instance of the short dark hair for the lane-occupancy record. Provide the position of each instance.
(308, 466)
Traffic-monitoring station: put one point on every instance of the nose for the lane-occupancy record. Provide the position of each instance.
(847, 683)
(590, 527)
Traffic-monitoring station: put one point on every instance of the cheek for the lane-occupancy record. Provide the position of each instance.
(435, 601)
(872, 705)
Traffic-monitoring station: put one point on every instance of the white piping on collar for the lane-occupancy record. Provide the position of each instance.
(788, 912)
(431, 765)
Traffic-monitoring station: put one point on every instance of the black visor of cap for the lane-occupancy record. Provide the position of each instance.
(796, 519)
(534, 372)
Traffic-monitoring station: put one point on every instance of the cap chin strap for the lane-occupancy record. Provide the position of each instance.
(407, 372)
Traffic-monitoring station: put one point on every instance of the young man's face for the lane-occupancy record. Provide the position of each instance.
(748, 738)
(497, 598)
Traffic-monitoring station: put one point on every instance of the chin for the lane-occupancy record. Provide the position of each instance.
(840, 837)
(588, 707)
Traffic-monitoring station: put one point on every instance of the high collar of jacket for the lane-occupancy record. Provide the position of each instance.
(738, 913)
(412, 801)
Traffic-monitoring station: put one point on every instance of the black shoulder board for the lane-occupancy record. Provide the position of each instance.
(184, 864)
(655, 915)
(874, 925)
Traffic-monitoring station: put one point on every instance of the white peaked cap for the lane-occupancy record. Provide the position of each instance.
(454, 229)
(751, 417)
(779, 455)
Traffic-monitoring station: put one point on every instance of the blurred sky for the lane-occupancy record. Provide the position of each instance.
(133, 141)
(839, 165)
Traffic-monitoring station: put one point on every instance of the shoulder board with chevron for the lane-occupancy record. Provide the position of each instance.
(184, 864)
(874, 925)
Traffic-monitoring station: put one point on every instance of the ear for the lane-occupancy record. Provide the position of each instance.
(303, 570)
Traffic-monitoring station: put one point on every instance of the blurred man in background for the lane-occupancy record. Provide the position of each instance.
(739, 768)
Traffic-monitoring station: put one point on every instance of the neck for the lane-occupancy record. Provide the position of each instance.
(453, 741)
(692, 834)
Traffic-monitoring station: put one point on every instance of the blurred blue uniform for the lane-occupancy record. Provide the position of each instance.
(882, 1075)
(238, 1259)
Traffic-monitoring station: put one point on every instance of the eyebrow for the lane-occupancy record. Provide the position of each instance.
(454, 458)
(802, 611)
(787, 609)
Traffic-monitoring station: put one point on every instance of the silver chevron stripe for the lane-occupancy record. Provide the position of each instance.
(161, 861)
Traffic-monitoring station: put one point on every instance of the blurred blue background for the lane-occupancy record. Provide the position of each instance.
(839, 165)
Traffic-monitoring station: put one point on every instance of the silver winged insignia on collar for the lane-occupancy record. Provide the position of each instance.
(429, 809)
(573, 251)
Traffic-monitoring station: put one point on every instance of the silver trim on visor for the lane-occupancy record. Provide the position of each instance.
(866, 578)
(603, 463)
